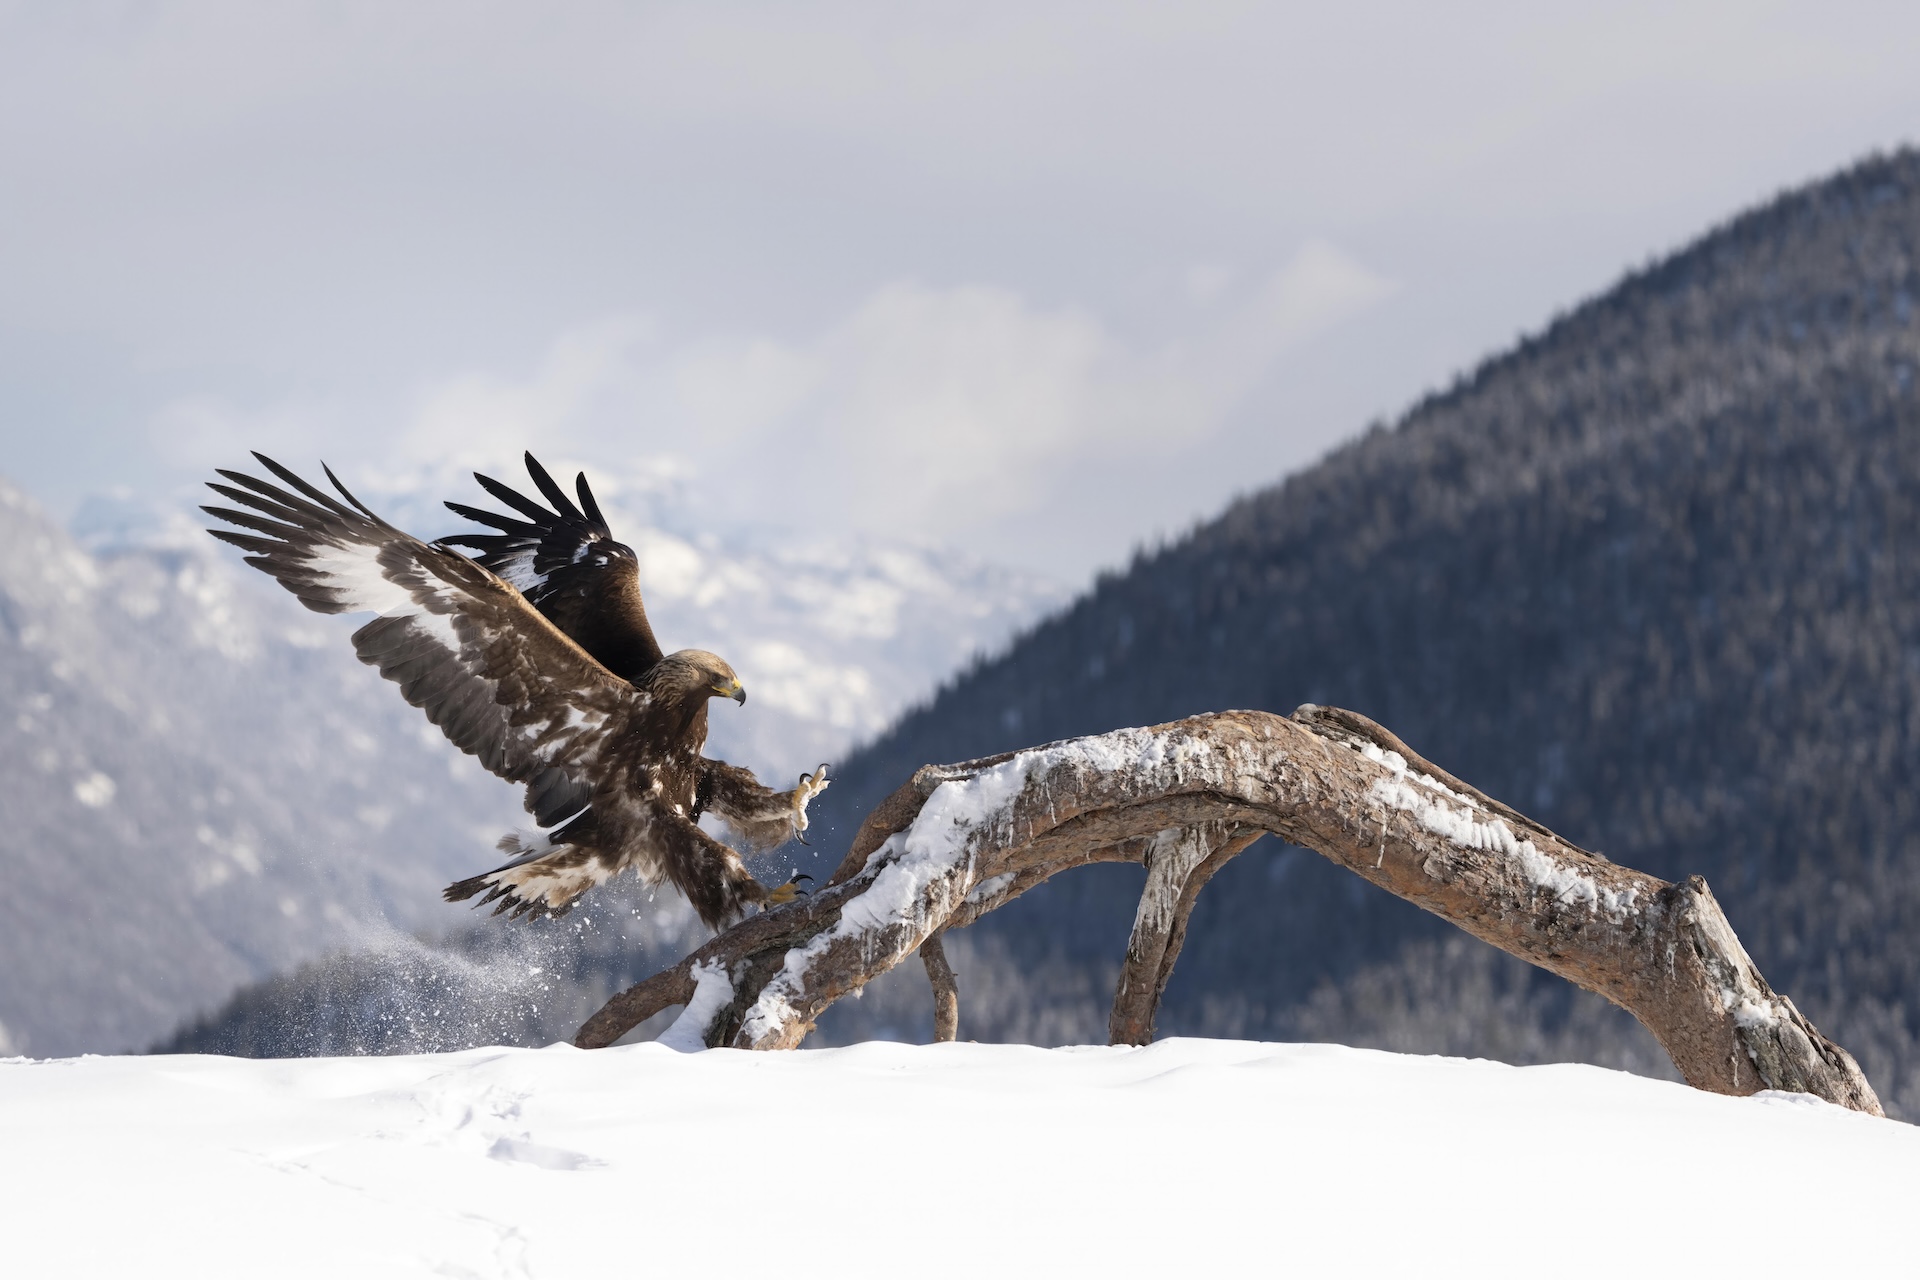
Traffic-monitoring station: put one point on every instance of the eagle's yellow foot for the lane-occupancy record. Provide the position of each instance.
(788, 891)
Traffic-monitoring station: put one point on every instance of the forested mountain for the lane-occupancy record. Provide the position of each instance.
(1651, 576)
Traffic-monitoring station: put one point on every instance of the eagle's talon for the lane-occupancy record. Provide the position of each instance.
(810, 785)
(787, 892)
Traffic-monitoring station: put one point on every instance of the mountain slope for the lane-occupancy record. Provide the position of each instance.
(202, 787)
(1653, 576)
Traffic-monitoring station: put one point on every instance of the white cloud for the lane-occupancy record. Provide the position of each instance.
(893, 250)
(587, 375)
(204, 431)
(938, 412)
(730, 390)
(945, 403)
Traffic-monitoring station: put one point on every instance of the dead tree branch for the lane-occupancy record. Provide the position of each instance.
(946, 991)
(1180, 861)
(958, 841)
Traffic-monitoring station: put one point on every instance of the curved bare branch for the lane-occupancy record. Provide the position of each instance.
(946, 990)
(1179, 861)
(957, 841)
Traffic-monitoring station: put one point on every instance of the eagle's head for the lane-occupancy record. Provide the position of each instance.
(692, 674)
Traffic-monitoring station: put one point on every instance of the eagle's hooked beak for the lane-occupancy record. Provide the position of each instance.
(732, 689)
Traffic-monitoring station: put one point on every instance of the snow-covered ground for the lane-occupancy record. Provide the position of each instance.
(1190, 1157)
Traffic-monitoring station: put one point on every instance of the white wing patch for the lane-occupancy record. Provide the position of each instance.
(352, 572)
(517, 569)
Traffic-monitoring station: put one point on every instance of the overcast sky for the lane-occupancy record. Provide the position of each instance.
(1045, 280)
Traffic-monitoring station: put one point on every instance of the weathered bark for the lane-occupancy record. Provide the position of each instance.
(946, 991)
(664, 990)
(960, 840)
(1180, 861)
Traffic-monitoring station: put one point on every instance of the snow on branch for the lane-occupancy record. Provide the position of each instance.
(957, 841)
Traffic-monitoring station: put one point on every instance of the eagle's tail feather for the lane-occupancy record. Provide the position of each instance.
(461, 890)
(545, 878)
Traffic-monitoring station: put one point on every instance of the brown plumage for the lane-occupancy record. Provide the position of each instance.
(611, 763)
(568, 566)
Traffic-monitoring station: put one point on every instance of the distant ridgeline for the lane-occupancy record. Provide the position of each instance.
(1652, 577)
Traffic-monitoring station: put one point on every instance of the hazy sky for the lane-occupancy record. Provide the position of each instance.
(1044, 279)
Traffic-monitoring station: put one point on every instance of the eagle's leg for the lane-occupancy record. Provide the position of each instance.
(761, 818)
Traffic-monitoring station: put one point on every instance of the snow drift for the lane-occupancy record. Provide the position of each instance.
(1189, 1157)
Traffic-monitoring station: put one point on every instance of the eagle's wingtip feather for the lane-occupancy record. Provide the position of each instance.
(553, 492)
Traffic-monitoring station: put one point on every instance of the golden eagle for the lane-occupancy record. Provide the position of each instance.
(539, 661)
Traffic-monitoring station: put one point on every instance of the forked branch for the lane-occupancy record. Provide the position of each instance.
(958, 841)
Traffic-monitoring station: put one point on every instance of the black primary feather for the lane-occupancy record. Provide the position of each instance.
(568, 565)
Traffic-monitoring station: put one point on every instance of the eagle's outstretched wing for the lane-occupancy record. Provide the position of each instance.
(500, 680)
(568, 565)
(611, 764)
